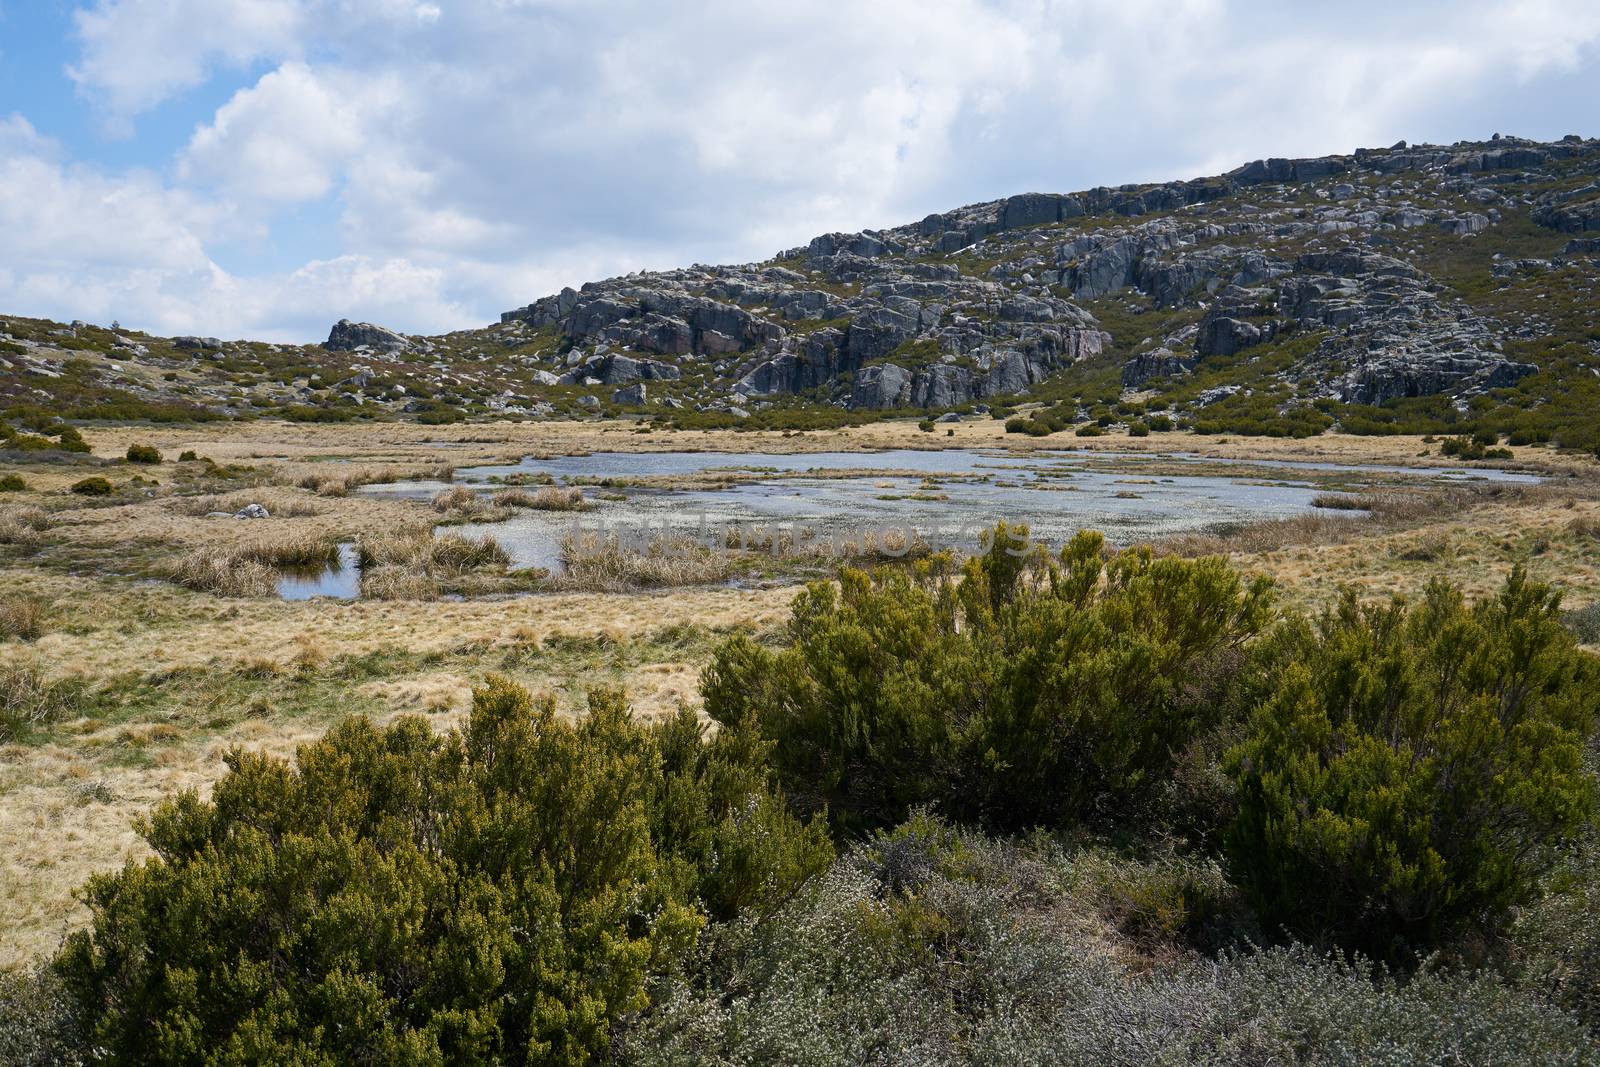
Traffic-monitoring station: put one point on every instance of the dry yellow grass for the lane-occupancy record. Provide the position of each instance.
(252, 568)
(545, 498)
(23, 617)
(22, 526)
(606, 563)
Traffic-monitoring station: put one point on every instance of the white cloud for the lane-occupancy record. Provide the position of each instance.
(287, 138)
(137, 53)
(479, 153)
(79, 243)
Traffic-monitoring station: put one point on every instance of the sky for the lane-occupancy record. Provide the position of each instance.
(263, 168)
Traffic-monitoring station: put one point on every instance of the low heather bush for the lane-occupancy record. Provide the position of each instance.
(954, 949)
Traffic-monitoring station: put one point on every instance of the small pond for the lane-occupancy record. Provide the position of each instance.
(339, 581)
(946, 496)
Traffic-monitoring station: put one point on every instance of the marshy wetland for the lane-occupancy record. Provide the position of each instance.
(150, 632)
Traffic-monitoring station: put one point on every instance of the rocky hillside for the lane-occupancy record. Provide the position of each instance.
(1420, 287)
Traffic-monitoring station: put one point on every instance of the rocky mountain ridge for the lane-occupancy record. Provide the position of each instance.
(1379, 278)
(989, 300)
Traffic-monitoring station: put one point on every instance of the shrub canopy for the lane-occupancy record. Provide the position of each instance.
(1022, 691)
(494, 895)
(1414, 765)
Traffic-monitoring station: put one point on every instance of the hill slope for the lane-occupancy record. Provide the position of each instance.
(1422, 288)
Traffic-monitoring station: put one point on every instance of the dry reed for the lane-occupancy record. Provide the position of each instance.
(23, 618)
(598, 562)
(252, 569)
(546, 498)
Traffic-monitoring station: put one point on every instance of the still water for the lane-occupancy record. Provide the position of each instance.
(945, 496)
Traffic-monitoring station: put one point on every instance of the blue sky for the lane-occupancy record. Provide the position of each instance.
(261, 168)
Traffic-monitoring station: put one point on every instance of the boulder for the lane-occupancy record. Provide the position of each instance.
(884, 385)
(1030, 209)
(252, 511)
(630, 394)
(347, 336)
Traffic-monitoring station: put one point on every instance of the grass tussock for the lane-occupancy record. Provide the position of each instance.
(340, 483)
(598, 562)
(461, 504)
(413, 564)
(868, 546)
(280, 505)
(30, 699)
(23, 618)
(252, 569)
(23, 526)
(1383, 511)
(545, 498)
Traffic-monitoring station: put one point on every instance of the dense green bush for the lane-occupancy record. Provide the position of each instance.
(94, 485)
(1414, 766)
(498, 894)
(143, 454)
(1024, 691)
(12, 483)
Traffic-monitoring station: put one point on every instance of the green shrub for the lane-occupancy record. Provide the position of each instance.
(1090, 430)
(498, 894)
(926, 425)
(1025, 691)
(1161, 423)
(1414, 767)
(188, 455)
(92, 486)
(71, 440)
(12, 483)
(143, 454)
(1138, 429)
(1473, 448)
